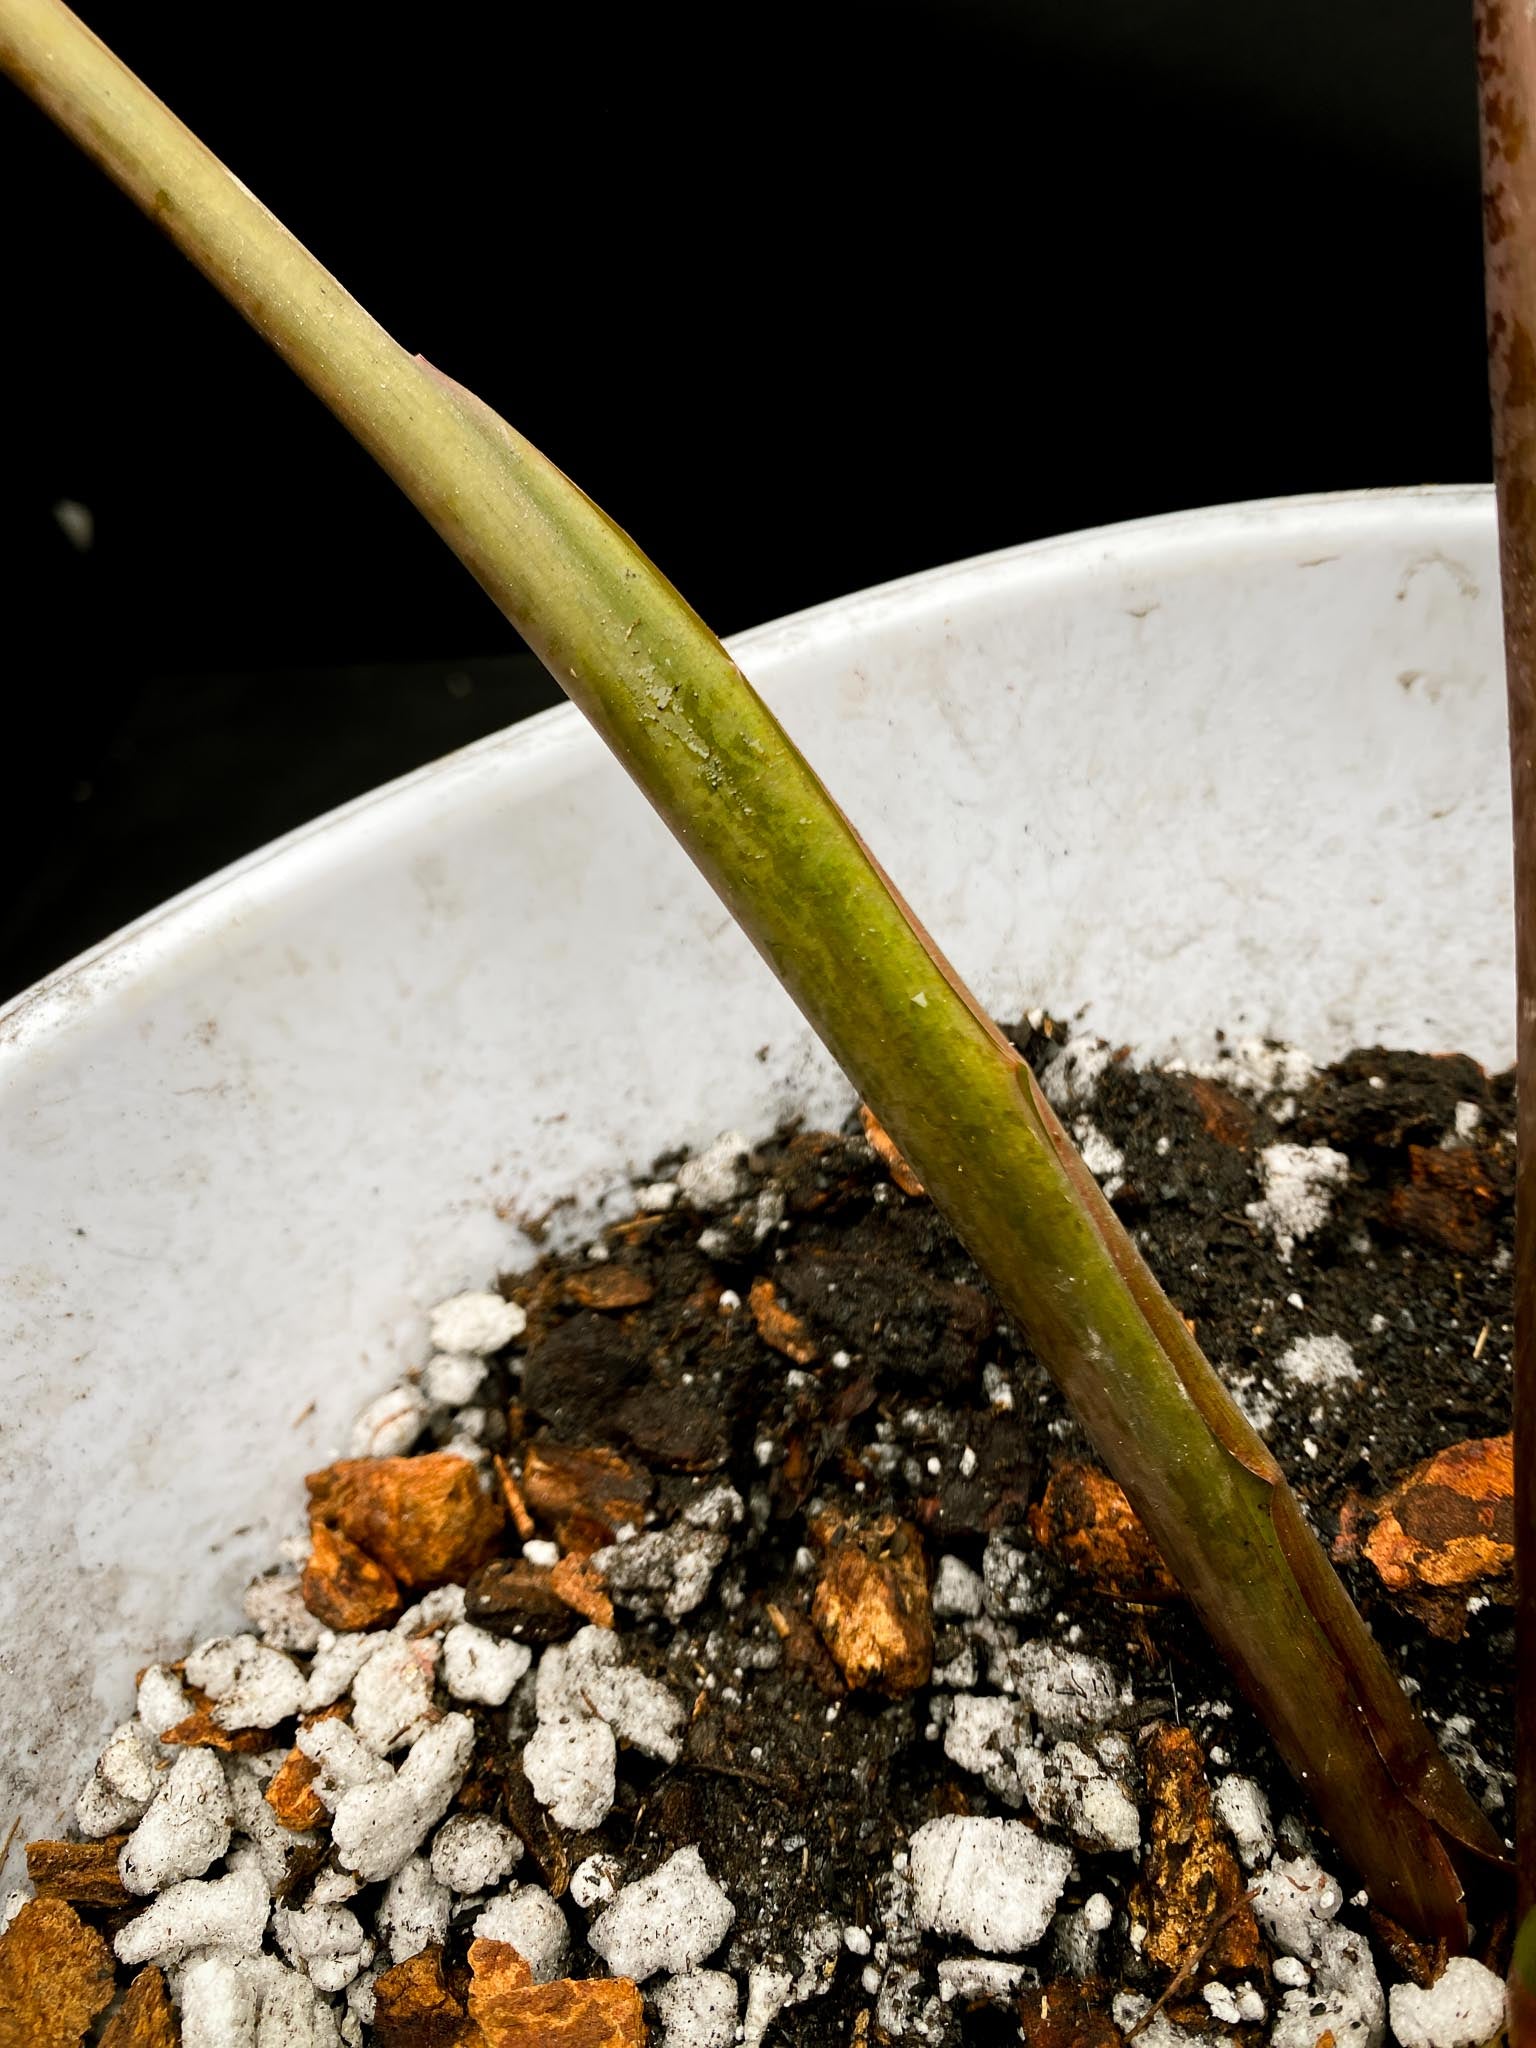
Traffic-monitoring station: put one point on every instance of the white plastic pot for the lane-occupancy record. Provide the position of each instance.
(1240, 769)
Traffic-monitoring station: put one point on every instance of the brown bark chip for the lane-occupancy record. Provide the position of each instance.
(85, 1873)
(515, 1598)
(585, 1496)
(780, 1328)
(55, 1977)
(146, 2017)
(424, 1519)
(343, 1586)
(1190, 1888)
(1068, 2015)
(871, 1604)
(1086, 1520)
(1447, 1200)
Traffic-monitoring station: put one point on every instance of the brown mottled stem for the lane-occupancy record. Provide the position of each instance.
(955, 1097)
(1506, 72)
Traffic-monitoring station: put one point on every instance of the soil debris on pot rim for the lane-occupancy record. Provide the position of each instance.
(727, 1635)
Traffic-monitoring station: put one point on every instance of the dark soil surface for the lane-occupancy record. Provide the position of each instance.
(872, 1507)
(918, 1401)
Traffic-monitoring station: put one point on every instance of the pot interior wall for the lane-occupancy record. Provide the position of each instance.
(1232, 770)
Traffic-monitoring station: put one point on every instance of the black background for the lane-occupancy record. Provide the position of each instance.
(806, 296)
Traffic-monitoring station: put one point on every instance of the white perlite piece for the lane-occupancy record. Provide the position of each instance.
(476, 1323)
(529, 1919)
(1463, 2010)
(1074, 1791)
(439, 1609)
(572, 1769)
(717, 1177)
(767, 1995)
(1344, 1997)
(994, 1883)
(668, 1571)
(389, 1425)
(274, 1606)
(669, 1921)
(473, 1853)
(588, 1675)
(978, 1977)
(251, 1686)
(344, 1761)
(162, 1699)
(1243, 1811)
(252, 2002)
(1319, 1362)
(392, 1693)
(326, 1941)
(989, 1734)
(1069, 1692)
(1072, 1075)
(218, 2006)
(481, 1667)
(1294, 1900)
(697, 2009)
(187, 1826)
(595, 1881)
(956, 1590)
(222, 1912)
(336, 1664)
(1103, 1159)
(415, 1910)
(293, 2014)
(452, 1378)
(122, 1784)
(276, 1846)
(1297, 1181)
(378, 1825)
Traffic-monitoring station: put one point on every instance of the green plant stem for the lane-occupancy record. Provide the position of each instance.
(1506, 71)
(954, 1095)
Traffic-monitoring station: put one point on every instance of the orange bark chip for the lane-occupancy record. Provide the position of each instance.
(55, 1977)
(291, 1794)
(608, 1287)
(1446, 1529)
(510, 2011)
(1085, 1519)
(884, 1147)
(582, 1590)
(498, 1972)
(871, 1605)
(199, 1730)
(424, 1519)
(1190, 1894)
(146, 2017)
(343, 1586)
(416, 2007)
(780, 1329)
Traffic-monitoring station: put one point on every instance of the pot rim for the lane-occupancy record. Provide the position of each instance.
(554, 743)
